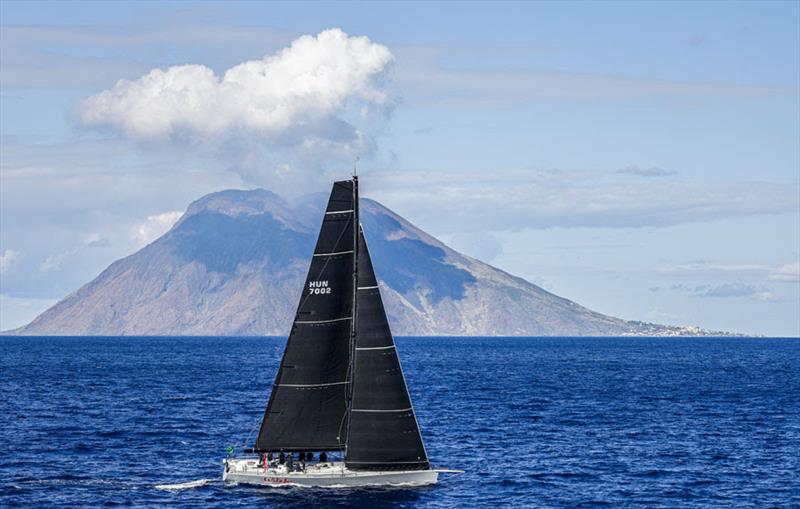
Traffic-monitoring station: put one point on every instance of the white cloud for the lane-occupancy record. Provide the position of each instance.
(94, 239)
(305, 98)
(728, 290)
(765, 296)
(6, 258)
(54, 262)
(789, 272)
(431, 75)
(516, 199)
(653, 171)
(59, 56)
(707, 266)
(55, 198)
(155, 226)
(48, 56)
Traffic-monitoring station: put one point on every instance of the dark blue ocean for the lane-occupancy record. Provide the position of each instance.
(614, 422)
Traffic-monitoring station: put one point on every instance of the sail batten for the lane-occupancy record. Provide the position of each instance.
(324, 321)
(334, 254)
(374, 410)
(313, 385)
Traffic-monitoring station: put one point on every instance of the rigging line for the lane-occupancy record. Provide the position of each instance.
(351, 368)
(344, 415)
(249, 435)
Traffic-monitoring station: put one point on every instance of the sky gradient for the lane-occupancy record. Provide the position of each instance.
(641, 159)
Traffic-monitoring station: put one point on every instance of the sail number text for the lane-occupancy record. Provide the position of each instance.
(318, 287)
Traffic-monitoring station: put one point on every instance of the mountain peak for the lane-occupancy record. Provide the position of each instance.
(243, 202)
(235, 263)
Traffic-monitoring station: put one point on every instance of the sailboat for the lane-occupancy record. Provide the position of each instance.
(340, 389)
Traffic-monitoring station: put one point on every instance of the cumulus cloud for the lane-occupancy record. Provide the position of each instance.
(6, 258)
(155, 226)
(309, 98)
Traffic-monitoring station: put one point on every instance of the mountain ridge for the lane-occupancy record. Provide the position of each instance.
(235, 262)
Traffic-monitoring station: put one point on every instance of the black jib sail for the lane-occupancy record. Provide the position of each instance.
(308, 405)
(383, 431)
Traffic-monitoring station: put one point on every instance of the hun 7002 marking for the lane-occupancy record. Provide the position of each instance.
(318, 287)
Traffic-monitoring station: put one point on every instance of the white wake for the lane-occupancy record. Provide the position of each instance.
(184, 485)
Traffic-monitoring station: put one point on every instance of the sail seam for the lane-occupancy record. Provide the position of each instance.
(376, 348)
(325, 321)
(395, 410)
(334, 253)
(312, 385)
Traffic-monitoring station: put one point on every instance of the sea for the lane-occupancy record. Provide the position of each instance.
(532, 422)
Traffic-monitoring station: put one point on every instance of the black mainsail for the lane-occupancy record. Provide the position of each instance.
(340, 385)
(307, 408)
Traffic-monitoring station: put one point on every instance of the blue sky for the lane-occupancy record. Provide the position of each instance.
(639, 158)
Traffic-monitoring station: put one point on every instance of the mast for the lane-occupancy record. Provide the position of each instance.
(353, 324)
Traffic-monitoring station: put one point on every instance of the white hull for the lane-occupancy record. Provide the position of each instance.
(331, 475)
